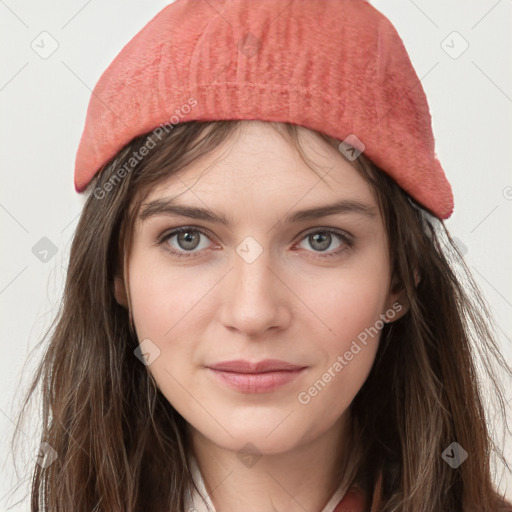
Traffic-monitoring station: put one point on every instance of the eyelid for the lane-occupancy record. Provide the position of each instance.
(319, 229)
(169, 233)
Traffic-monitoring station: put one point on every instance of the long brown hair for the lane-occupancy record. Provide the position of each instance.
(122, 447)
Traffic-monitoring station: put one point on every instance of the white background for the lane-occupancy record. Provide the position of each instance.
(43, 105)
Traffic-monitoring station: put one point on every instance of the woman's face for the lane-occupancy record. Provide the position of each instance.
(274, 282)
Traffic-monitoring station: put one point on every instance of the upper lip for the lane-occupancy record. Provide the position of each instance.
(266, 365)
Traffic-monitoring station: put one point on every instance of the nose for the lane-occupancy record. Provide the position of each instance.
(255, 297)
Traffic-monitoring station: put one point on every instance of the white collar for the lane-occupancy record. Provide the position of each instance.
(193, 502)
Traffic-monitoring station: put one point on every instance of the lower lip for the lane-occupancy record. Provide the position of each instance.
(256, 382)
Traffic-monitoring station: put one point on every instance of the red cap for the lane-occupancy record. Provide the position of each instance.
(335, 66)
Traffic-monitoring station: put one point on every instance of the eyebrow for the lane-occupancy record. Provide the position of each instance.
(169, 207)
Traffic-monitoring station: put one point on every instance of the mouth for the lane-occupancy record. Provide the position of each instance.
(255, 377)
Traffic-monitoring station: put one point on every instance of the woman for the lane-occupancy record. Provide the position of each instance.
(304, 344)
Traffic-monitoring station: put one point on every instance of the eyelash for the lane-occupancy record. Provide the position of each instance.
(347, 241)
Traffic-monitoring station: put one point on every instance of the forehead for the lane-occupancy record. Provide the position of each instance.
(258, 163)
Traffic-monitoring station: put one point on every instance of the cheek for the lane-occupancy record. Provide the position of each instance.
(164, 302)
(350, 312)
(168, 310)
(348, 306)
(163, 298)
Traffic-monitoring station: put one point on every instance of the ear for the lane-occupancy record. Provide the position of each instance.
(120, 291)
(398, 303)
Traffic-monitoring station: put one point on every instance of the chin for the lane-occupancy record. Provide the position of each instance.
(258, 441)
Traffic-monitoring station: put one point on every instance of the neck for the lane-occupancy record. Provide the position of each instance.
(304, 478)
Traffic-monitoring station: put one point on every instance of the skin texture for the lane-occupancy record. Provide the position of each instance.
(290, 303)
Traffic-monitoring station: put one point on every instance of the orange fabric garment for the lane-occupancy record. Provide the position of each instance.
(335, 66)
(353, 501)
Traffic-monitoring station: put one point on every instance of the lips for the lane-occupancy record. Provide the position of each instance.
(255, 377)
(266, 365)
